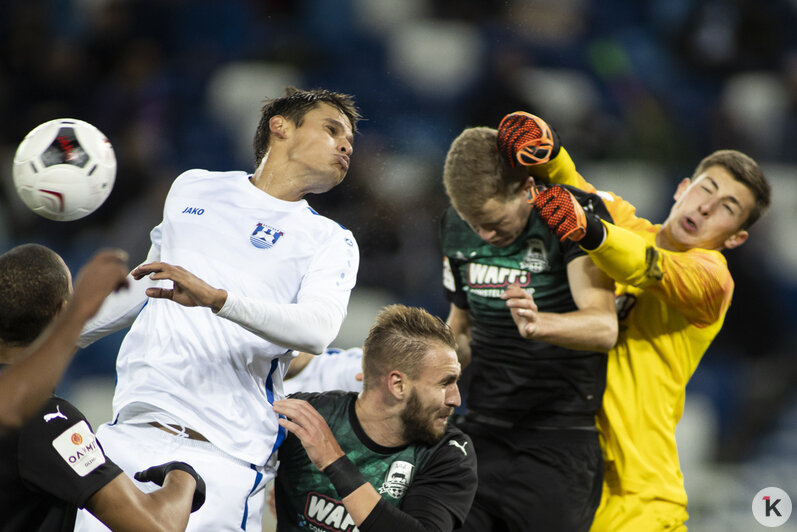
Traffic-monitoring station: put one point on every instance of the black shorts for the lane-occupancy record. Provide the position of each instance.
(534, 479)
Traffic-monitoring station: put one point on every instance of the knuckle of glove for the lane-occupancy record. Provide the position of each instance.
(154, 474)
(556, 210)
(544, 200)
(515, 132)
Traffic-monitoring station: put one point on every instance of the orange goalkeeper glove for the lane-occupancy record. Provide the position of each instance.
(527, 139)
(565, 216)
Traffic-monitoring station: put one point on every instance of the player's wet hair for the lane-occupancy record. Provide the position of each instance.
(746, 171)
(34, 282)
(399, 340)
(475, 172)
(294, 105)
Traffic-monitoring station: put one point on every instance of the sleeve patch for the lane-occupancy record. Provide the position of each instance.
(448, 276)
(652, 263)
(79, 448)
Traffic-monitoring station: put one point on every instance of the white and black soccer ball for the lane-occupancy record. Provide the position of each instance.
(64, 169)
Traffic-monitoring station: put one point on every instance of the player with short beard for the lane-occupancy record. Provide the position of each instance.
(419, 420)
(385, 460)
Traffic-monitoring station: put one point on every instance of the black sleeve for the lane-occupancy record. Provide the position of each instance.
(452, 283)
(387, 518)
(440, 496)
(59, 455)
(591, 203)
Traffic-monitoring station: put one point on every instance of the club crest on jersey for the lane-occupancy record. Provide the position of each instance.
(264, 236)
(398, 479)
(536, 258)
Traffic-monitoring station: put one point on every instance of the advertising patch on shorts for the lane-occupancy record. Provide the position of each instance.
(79, 448)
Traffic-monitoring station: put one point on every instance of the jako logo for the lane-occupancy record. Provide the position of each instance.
(771, 507)
(193, 210)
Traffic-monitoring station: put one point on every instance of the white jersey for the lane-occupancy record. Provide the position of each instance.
(201, 369)
(334, 369)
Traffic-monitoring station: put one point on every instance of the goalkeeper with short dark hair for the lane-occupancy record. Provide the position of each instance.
(673, 291)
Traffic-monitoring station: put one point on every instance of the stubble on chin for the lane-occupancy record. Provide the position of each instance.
(419, 422)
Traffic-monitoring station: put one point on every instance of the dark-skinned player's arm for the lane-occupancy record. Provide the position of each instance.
(123, 507)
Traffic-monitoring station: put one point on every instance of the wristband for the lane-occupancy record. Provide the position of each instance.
(345, 476)
(595, 233)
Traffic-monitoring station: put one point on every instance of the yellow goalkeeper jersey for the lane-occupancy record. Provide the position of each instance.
(670, 307)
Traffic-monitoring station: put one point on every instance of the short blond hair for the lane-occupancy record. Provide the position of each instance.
(400, 340)
(475, 171)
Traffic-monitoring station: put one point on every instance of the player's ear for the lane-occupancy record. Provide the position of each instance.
(277, 125)
(397, 384)
(736, 239)
(61, 306)
(682, 186)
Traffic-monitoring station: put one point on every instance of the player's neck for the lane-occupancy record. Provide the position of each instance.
(278, 178)
(11, 354)
(378, 422)
(272, 183)
(664, 239)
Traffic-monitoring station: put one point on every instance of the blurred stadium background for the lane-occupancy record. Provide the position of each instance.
(639, 92)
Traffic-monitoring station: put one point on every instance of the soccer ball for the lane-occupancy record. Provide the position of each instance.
(64, 169)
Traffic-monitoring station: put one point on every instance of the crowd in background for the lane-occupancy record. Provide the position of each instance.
(638, 91)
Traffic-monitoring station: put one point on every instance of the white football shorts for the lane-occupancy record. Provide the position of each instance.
(234, 497)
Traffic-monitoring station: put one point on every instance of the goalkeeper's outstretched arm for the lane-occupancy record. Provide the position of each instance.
(518, 141)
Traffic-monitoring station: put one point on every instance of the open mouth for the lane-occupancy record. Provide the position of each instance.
(689, 225)
(343, 161)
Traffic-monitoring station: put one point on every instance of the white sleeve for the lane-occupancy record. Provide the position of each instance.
(339, 369)
(120, 309)
(334, 369)
(314, 321)
(308, 327)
